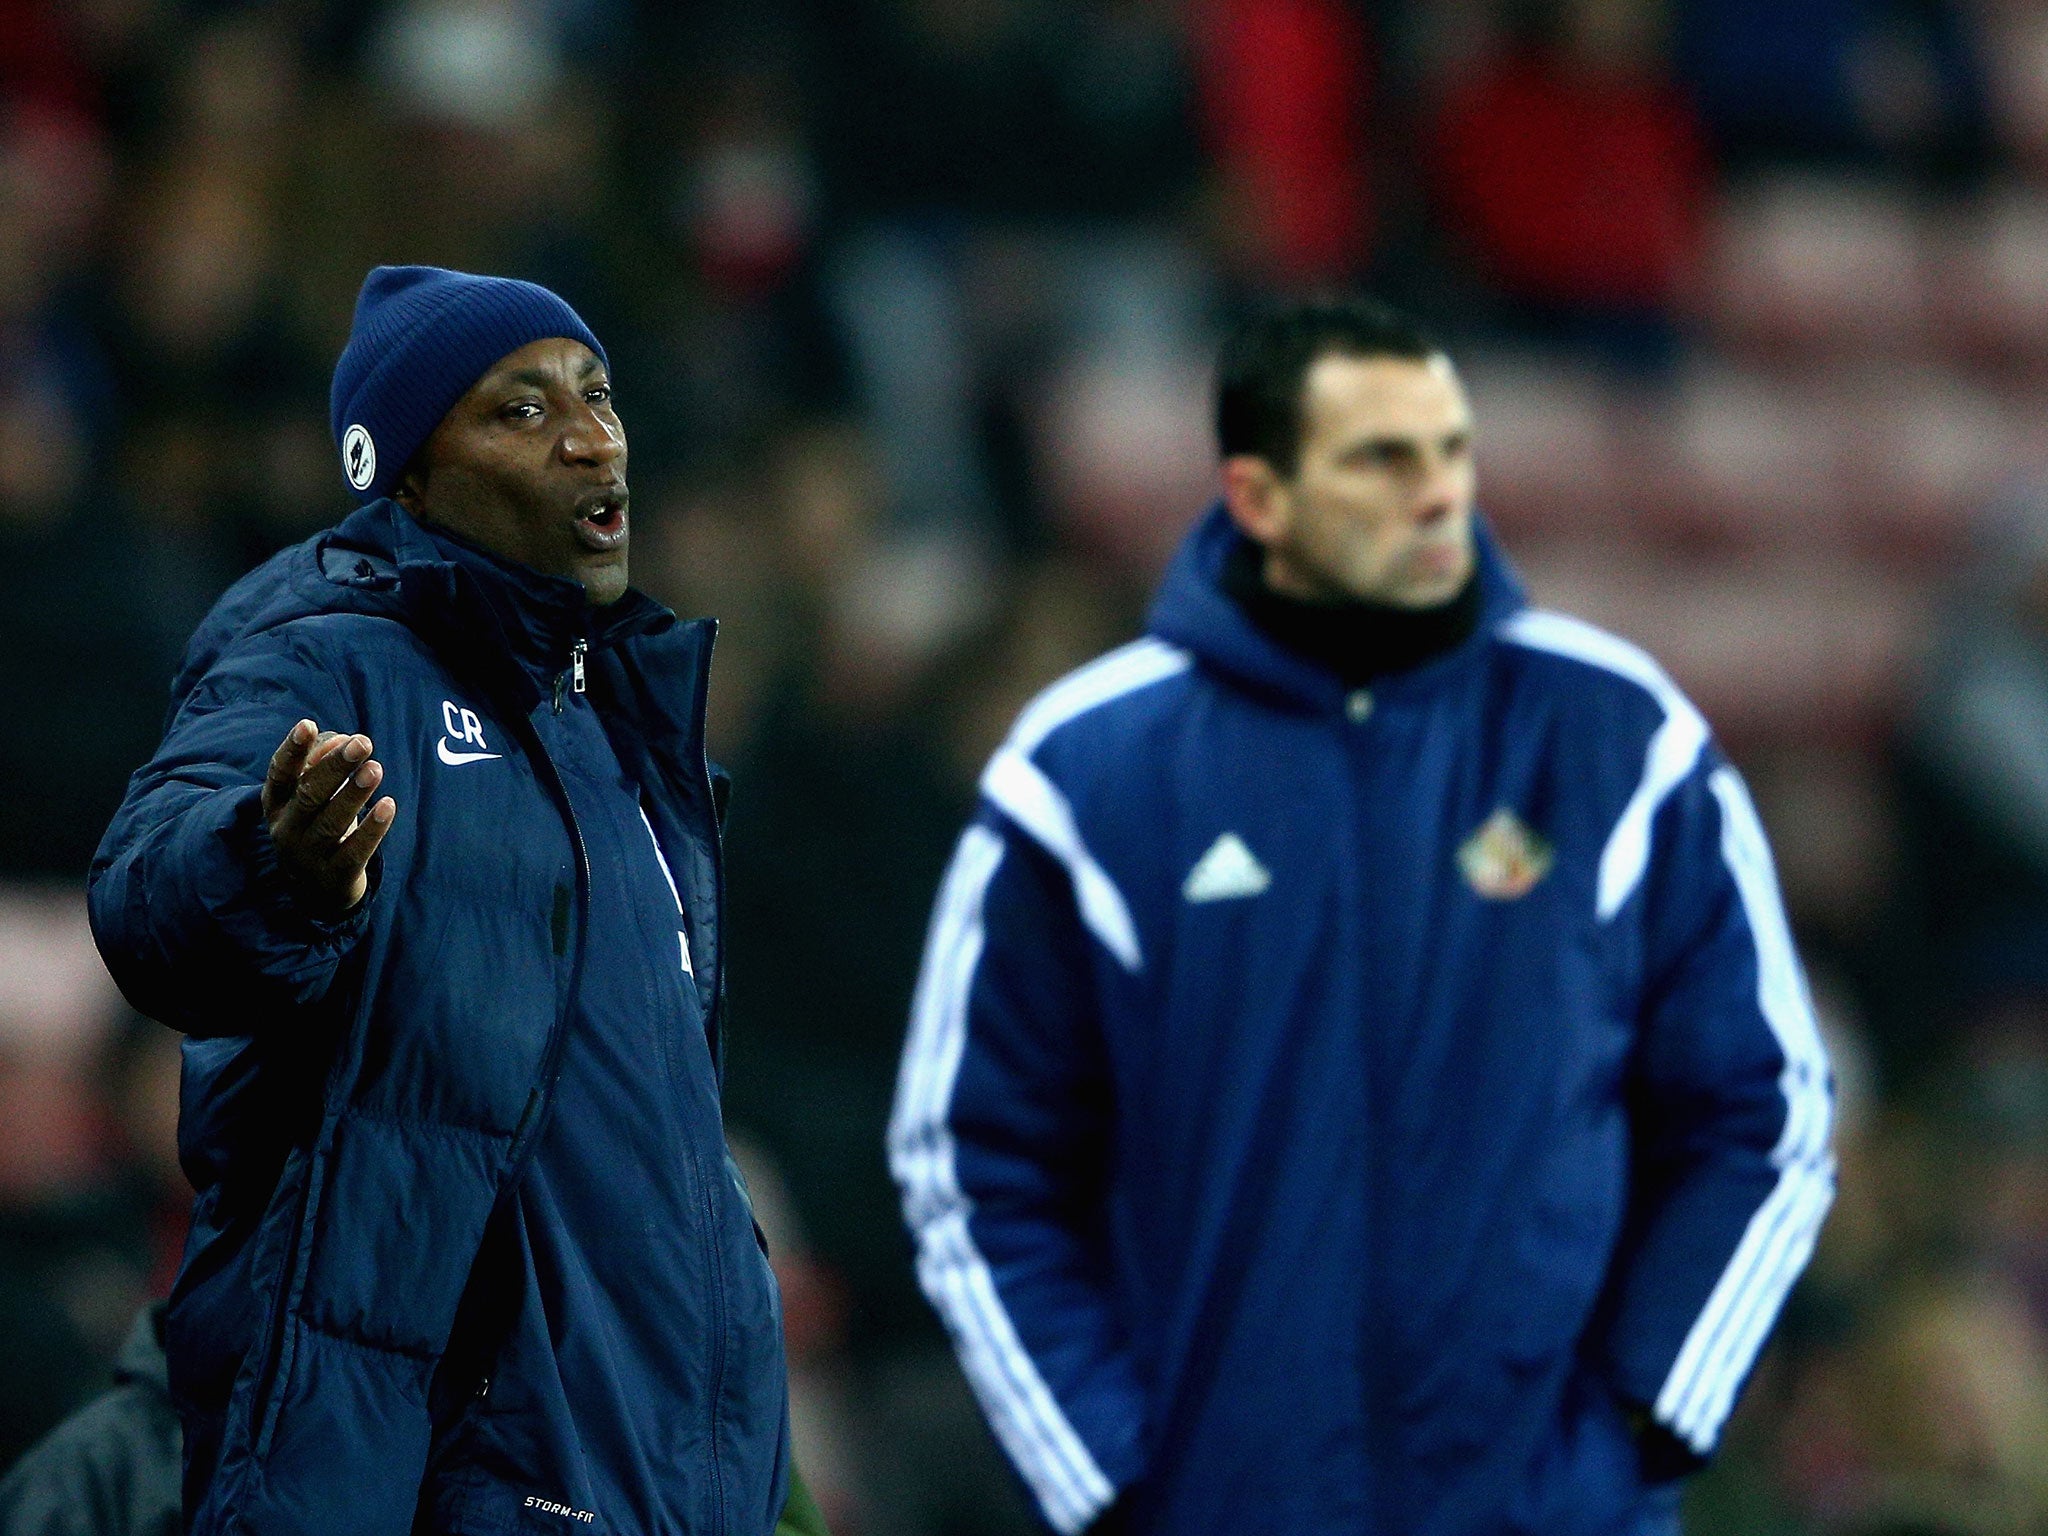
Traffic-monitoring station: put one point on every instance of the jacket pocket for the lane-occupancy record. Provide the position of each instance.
(1586, 1477)
(350, 1439)
(1565, 1244)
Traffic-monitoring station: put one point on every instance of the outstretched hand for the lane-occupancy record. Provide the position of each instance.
(313, 798)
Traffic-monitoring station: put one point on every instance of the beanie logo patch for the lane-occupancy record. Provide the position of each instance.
(358, 457)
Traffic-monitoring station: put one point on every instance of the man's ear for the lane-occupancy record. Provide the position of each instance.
(410, 489)
(1258, 499)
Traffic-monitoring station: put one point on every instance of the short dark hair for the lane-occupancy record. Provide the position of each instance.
(1265, 361)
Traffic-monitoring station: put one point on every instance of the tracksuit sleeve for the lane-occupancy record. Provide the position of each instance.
(1734, 1108)
(998, 1142)
(189, 908)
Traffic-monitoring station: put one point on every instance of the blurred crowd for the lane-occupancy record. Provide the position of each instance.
(910, 305)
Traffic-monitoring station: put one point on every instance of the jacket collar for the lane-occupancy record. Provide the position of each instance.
(486, 607)
(1192, 610)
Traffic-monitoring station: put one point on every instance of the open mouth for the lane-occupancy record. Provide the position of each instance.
(601, 520)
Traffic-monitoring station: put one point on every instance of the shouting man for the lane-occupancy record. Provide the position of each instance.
(1361, 1079)
(427, 868)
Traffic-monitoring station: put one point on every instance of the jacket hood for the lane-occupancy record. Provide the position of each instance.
(381, 562)
(1193, 610)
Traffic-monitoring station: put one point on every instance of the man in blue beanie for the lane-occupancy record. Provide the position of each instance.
(468, 1253)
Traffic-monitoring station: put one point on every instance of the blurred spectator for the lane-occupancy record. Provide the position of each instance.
(1947, 1401)
(115, 1467)
(1287, 93)
(69, 593)
(1016, 180)
(843, 813)
(495, 147)
(736, 338)
(1835, 81)
(75, 1259)
(41, 65)
(2014, 53)
(86, 692)
(1573, 171)
(1974, 773)
(863, 672)
(814, 1320)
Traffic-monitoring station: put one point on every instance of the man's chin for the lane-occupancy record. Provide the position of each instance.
(604, 581)
(1434, 577)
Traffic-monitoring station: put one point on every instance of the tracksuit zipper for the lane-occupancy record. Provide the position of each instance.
(1375, 1341)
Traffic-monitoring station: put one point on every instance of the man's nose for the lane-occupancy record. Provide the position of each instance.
(590, 439)
(1436, 498)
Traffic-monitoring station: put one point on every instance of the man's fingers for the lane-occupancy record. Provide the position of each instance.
(339, 814)
(328, 767)
(287, 762)
(357, 847)
(313, 797)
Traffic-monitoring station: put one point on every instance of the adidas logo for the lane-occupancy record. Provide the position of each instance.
(1227, 870)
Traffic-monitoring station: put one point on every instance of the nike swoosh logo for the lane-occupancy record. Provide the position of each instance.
(456, 759)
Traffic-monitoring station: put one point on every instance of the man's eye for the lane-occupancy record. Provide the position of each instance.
(599, 394)
(522, 410)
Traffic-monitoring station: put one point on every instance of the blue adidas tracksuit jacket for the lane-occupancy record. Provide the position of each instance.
(1332, 1111)
(371, 1104)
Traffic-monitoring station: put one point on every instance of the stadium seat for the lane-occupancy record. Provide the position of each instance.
(1794, 647)
(2015, 57)
(1805, 262)
(1550, 453)
(1127, 458)
(1994, 292)
(1748, 457)
(1924, 453)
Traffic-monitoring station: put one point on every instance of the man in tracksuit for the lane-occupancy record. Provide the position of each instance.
(1361, 1079)
(468, 1253)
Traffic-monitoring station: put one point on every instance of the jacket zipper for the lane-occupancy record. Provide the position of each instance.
(574, 676)
(540, 1101)
(710, 1181)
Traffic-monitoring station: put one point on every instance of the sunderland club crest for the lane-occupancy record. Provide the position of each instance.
(1504, 859)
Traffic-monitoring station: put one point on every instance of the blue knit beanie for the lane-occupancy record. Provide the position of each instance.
(422, 336)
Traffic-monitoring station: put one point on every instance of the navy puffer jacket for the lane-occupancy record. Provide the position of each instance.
(361, 1095)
